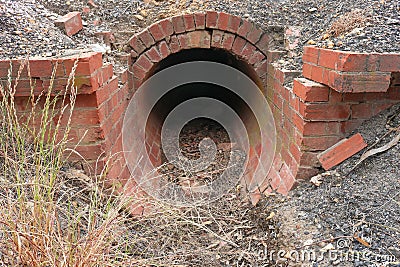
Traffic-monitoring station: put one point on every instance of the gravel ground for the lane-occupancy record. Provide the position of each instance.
(356, 25)
(355, 210)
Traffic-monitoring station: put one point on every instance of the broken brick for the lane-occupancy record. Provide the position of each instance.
(71, 23)
(341, 151)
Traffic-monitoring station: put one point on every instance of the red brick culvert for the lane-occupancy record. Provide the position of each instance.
(336, 93)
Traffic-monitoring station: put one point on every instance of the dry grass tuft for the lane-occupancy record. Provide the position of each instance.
(348, 22)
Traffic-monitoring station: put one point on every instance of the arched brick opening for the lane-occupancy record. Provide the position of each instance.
(214, 36)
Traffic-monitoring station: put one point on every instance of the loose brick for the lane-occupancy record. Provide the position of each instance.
(341, 151)
(310, 91)
(71, 23)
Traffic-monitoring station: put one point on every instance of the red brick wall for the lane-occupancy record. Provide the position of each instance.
(340, 90)
(100, 102)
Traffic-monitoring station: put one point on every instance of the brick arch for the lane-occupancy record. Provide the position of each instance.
(200, 30)
(212, 30)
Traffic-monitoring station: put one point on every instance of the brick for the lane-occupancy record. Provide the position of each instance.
(264, 45)
(88, 152)
(368, 110)
(315, 143)
(223, 21)
(216, 40)
(40, 68)
(138, 71)
(351, 62)
(136, 44)
(144, 62)
(245, 28)
(305, 173)
(316, 73)
(262, 68)
(146, 38)
(174, 45)
(227, 41)
(87, 64)
(211, 19)
(341, 151)
(256, 58)
(179, 24)
(248, 51)
(324, 112)
(157, 32)
(238, 45)
(199, 39)
(359, 82)
(167, 27)
(71, 23)
(287, 178)
(254, 35)
(310, 159)
(184, 41)
(153, 55)
(164, 49)
(189, 22)
(200, 21)
(233, 24)
(389, 62)
(310, 91)
(311, 54)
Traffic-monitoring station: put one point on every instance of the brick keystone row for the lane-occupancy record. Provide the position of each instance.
(211, 20)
